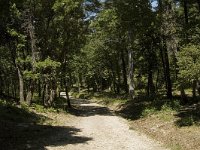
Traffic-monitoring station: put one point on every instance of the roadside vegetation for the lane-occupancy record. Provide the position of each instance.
(167, 121)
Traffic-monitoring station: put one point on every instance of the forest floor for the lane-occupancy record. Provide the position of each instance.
(87, 126)
(97, 124)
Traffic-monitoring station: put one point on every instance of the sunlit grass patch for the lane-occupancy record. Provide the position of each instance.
(162, 110)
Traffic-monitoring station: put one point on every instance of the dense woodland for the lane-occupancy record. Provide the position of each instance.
(130, 47)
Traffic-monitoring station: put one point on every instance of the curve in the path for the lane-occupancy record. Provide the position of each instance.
(106, 130)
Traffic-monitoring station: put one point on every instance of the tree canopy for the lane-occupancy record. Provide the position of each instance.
(48, 46)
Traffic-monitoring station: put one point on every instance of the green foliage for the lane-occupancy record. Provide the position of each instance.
(186, 121)
(14, 11)
(149, 111)
(30, 75)
(164, 110)
(189, 63)
(41, 109)
(108, 98)
(47, 64)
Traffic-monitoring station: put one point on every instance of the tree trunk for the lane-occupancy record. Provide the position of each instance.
(183, 96)
(198, 2)
(150, 87)
(169, 39)
(1, 84)
(163, 63)
(51, 97)
(21, 86)
(43, 93)
(130, 75)
(166, 69)
(198, 87)
(194, 86)
(46, 93)
(67, 95)
(157, 79)
(52, 91)
(168, 76)
(119, 78)
(185, 3)
(124, 72)
(31, 31)
(39, 88)
(29, 95)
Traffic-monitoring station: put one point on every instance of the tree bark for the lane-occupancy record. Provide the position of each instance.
(39, 88)
(130, 75)
(194, 87)
(43, 93)
(150, 87)
(31, 31)
(46, 93)
(1, 83)
(119, 78)
(198, 87)
(183, 96)
(198, 2)
(168, 76)
(21, 86)
(124, 72)
(157, 79)
(67, 94)
(185, 3)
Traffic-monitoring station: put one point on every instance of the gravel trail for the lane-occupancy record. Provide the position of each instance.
(104, 131)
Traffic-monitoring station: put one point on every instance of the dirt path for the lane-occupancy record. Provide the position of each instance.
(103, 131)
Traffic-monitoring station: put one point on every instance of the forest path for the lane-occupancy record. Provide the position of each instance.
(104, 130)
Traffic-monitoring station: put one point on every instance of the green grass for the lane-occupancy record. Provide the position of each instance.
(82, 95)
(110, 98)
(175, 147)
(58, 105)
(163, 110)
(186, 121)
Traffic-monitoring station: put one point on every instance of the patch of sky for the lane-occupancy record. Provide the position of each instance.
(154, 3)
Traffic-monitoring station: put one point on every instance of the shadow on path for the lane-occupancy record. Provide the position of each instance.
(20, 130)
(85, 108)
(20, 137)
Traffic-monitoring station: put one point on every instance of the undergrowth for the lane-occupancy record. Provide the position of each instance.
(11, 112)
